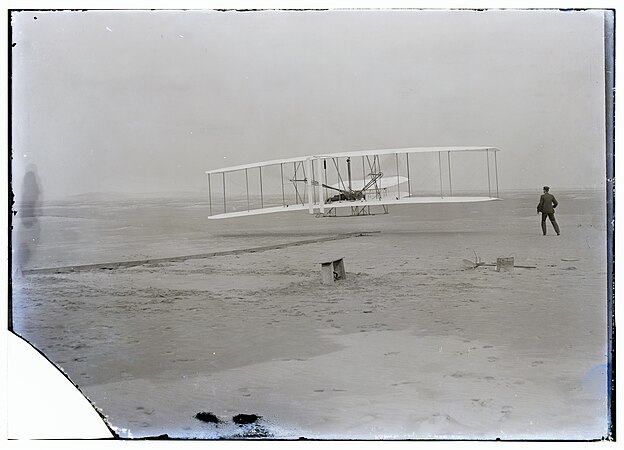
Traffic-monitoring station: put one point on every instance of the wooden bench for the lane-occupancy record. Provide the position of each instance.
(332, 271)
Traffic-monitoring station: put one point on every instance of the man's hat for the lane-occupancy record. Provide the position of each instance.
(546, 188)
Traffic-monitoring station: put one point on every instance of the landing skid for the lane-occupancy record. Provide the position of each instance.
(355, 211)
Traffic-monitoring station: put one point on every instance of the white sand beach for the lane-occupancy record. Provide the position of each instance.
(414, 344)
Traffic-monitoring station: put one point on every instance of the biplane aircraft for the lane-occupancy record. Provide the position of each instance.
(359, 182)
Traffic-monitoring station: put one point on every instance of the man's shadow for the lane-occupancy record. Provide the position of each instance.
(26, 230)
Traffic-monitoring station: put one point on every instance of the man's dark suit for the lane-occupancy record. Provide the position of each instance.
(546, 206)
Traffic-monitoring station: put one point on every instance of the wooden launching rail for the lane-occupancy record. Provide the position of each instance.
(127, 264)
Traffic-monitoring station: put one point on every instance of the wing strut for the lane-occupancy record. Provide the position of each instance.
(448, 156)
(496, 168)
(282, 179)
(224, 210)
(398, 182)
(261, 194)
(247, 188)
(309, 170)
(409, 184)
(349, 172)
(325, 172)
(440, 169)
(320, 188)
(487, 153)
(209, 195)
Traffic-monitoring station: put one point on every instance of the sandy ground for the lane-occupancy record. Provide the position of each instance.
(412, 345)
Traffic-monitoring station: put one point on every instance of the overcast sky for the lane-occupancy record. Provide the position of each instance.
(146, 101)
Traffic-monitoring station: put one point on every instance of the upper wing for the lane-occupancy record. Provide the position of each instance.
(256, 165)
(360, 153)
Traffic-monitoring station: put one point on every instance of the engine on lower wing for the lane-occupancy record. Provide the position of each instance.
(349, 196)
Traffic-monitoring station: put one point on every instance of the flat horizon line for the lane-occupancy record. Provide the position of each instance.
(200, 195)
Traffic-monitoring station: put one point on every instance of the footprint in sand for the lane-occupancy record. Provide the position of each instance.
(481, 403)
(459, 375)
(439, 418)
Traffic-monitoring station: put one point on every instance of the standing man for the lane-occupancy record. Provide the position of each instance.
(546, 206)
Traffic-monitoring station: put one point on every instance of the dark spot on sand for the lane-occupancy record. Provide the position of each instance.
(245, 419)
(207, 417)
(159, 437)
(255, 431)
